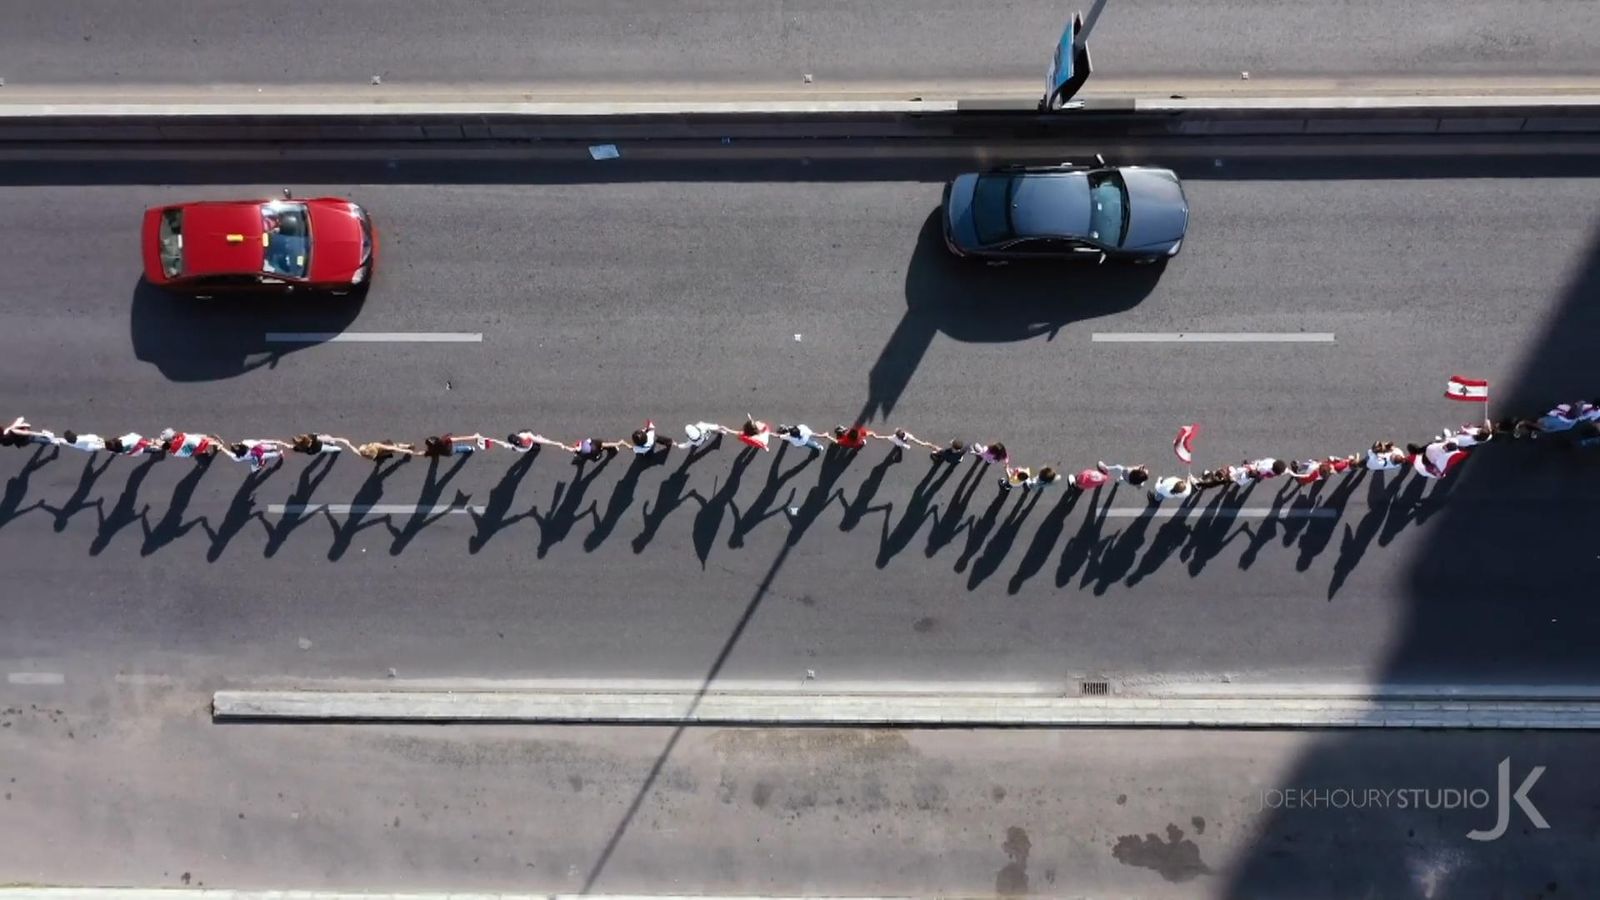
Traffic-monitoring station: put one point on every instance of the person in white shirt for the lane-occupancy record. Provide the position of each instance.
(132, 444)
(1267, 467)
(1382, 456)
(88, 443)
(21, 434)
(1171, 486)
(800, 436)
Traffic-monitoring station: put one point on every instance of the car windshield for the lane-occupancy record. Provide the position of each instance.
(991, 208)
(172, 243)
(1108, 208)
(286, 235)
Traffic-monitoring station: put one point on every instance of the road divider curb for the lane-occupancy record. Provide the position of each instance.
(1090, 705)
(278, 123)
(228, 894)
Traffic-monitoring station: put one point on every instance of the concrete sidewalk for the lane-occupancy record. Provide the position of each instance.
(1187, 706)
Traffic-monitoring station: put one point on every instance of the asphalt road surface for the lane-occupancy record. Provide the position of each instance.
(765, 42)
(802, 298)
(130, 784)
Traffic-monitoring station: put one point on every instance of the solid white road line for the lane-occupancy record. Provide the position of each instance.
(378, 509)
(35, 678)
(374, 337)
(1241, 512)
(1212, 337)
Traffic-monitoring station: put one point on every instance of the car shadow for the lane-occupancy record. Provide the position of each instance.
(973, 302)
(189, 339)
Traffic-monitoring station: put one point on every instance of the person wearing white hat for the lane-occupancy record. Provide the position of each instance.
(703, 433)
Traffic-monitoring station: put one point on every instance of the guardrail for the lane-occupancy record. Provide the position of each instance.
(278, 124)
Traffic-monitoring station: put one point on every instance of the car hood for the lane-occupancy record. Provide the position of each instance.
(336, 242)
(1158, 213)
(958, 211)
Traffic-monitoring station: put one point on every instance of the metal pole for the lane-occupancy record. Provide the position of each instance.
(1088, 25)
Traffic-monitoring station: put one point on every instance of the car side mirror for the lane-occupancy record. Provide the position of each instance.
(287, 195)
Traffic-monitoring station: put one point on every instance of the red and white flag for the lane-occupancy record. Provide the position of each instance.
(1184, 444)
(1471, 390)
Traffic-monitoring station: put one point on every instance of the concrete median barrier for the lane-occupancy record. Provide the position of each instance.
(358, 123)
(1209, 706)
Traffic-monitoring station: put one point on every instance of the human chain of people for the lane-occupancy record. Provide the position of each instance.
(1432, 459)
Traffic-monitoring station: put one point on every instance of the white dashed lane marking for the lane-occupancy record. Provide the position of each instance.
(35, 678)
(1212, 337)
(375, 337)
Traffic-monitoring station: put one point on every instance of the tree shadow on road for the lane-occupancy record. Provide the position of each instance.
(971, 302)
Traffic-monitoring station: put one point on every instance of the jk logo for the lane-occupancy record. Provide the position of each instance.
(1503, 808)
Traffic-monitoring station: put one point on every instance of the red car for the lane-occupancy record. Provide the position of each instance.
(259, 246)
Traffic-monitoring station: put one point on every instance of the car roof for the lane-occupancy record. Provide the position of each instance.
(222, 237)
(1051, 204)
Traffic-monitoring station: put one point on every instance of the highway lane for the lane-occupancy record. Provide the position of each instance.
(605, 303)
(165, 799)
(688, 44)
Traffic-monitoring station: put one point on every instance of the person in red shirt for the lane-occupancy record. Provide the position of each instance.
(852, 438)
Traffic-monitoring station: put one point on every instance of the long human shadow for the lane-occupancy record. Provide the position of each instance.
(366, 497)
(918, 509)
(713, 509)
(566, 506)
(241, 512)
(1213, 527)
(1497, 590)
(950, 521)
(122, 514)
(171, 525)
(978, 529)
(823, 494)
(1265, 530)
(970, 302)
(428, 508)
(1121, 551)
(765, 504)
(1044, 539)
(1084, 549)
(1381, 491)
(79, 500)
(496, 515)
(1169, 539)
(1318, 532)
(861, 503)
(996, 550)
(670, 495)
(623, 494)
(17, 485)
(298, 509)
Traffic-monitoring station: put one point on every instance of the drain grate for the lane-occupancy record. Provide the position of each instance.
(1094, 688)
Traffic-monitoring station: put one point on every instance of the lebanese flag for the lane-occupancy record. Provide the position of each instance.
(1471, 390)
(1183, 445)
